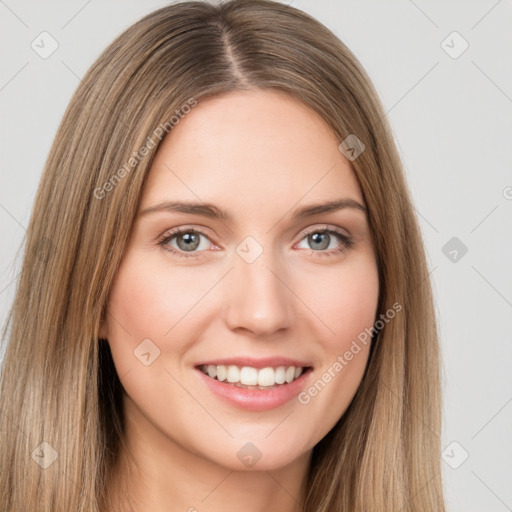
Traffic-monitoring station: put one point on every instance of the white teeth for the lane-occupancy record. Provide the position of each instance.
(248, 376)
(221, 373)
(280, 375)
(266, 377)
(233, 374)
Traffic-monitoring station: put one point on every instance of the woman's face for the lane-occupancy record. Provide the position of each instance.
(255, 294)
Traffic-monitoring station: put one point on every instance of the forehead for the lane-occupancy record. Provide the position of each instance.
(249, 151)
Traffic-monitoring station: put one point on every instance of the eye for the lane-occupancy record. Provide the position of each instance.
(321, 239)
(187, 240)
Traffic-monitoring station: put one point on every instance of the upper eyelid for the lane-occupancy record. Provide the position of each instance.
(325, 227)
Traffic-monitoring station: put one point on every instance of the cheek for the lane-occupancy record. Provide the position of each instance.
(346, 304)
(148, 301)
(345, 301)
(328, 395)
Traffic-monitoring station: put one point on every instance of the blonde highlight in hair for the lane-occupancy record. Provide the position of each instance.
(58, 383)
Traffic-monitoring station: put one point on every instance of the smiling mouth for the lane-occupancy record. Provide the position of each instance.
(254, 378)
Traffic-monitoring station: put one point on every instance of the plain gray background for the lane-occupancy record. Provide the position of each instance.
(451, 112)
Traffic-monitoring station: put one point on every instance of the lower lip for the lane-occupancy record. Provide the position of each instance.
(256, 400)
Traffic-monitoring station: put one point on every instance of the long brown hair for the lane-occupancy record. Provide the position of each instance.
(58, 383)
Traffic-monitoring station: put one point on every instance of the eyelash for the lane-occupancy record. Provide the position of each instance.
(346, 241)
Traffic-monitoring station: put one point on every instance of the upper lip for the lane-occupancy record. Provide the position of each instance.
(256, 363)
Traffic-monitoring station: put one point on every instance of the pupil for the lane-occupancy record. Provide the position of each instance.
(314, 238)
(191, 241)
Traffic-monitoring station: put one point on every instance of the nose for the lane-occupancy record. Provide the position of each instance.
(258, 296)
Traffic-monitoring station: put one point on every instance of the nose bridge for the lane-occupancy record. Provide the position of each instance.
(258, 298)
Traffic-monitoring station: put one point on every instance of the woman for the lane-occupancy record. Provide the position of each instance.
(224, 301)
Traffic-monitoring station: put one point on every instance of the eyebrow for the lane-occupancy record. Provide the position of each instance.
(212, 211)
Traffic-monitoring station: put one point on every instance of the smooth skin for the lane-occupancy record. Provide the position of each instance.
(259, 155)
